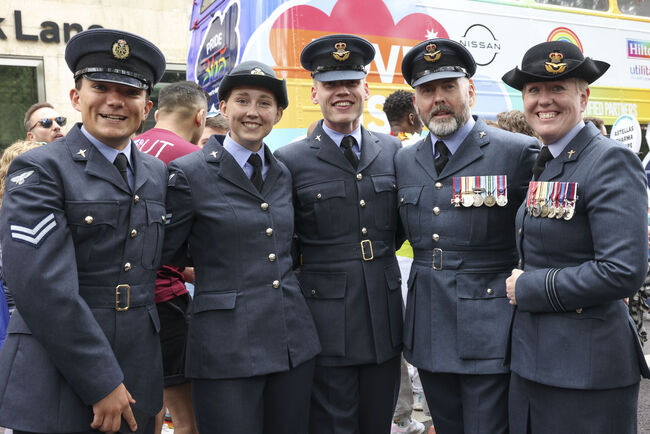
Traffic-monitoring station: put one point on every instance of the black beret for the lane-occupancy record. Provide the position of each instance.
(554, 60)
(253, 73)
(436, 59)
(115, 56)
(337, 57)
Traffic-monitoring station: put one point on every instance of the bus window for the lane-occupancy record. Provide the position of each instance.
(593, 5)
(639, 8)
(206, 4)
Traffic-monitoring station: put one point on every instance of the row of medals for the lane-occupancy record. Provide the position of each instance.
(475, 198)
(551, 208)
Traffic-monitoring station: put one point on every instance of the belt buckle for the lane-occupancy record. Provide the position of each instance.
(363, 251)
(117, 297)
(433, 261)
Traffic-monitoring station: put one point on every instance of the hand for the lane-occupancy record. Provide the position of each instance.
(511, 282)
(110, 410)
(188, 274)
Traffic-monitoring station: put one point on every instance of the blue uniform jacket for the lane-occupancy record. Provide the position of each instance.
(457, 316)
(73, 236)
(345, 229)
(572, 328)
(248, 317)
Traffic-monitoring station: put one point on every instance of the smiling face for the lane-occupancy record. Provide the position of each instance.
(252, 111)
(553, 108)
(341, 102)
(38, 133)
(444, 105)
(110, 112)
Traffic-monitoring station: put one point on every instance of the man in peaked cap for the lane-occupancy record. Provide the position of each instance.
(82, 223)
(576, 359)
(458, 190)
(345, 224)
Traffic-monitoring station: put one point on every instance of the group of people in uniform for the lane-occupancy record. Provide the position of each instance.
(514, 318)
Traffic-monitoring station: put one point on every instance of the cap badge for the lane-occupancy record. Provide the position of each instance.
(340, 54)
(121, 49)
(432, 54)
(555, 66)
(257, 71)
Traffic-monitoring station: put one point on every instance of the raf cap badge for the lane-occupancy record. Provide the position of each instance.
(341, 54)
(555, 66)
(121, 49)
(432, 55)
(257, 71)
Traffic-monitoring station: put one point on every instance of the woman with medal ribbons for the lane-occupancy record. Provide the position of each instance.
(576, 360)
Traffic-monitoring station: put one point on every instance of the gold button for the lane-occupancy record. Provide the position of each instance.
(359, 177)
(264, 206)
(127, 266)
(313, 292)
(362, 203)
(269, 232)
(579, 310)
(401, 200)
(89, 219)
(394, 186)
(276, 284)
(134, 233)
(436, 237)
(136, 198)
(436, 210)
(520, 263)
(163, 218)
(364, 231)
(318, 196)
(490, 291)
(519, 231)
(271, 257)
(438, 185)
(400, 280)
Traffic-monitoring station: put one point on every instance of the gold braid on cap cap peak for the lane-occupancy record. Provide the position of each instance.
(114, 71)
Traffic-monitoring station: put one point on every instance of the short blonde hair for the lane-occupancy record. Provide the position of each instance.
(16, 148)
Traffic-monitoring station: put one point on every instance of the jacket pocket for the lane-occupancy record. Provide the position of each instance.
(93, 227)
(325, 295)
(323, 203)
(153, 235)
(483, 315)
(409, 197)
(385, 201)
(394, 299)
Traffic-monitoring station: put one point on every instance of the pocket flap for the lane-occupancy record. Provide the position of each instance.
(393, 277)
(384, 183)
(476, 285)
(155, 212)
(409, 195)
(214, 301)
(322, 191)
(92, 213)
(323, 285)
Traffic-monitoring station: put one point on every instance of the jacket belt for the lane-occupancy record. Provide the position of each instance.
(365, 250)
(440, 259)
(120, 297)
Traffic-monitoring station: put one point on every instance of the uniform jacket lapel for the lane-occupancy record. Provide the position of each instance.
(424, 157)
(469, 151)
(140, 171)
(570, 153)
(327, 150)
(273, 172)
(226, 166)
(370, 149)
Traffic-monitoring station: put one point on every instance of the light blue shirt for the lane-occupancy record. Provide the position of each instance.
(557, 147)
(338, 137)
(454, 141)
(110, 153)
(241, 154)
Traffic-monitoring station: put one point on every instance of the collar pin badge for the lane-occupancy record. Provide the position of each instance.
(82, 152)
(121, 49)
(214, 154)
(318, 137)
(555, 66)
(341, 54)
(432, 54)
(481, 134)
(570, 153)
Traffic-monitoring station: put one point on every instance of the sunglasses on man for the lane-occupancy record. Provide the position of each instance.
(48, 122)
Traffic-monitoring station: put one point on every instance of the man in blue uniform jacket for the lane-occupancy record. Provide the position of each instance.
(82, 226)
(576, 357)
(346, 217)
(459, 190)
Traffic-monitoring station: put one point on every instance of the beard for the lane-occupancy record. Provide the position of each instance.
(447, 127)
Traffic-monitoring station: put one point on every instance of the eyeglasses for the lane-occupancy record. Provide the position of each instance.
(47, 122)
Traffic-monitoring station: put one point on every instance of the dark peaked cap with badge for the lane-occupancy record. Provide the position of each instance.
(555, 60)
(337, 57)
(116, 57)
(254, 73)
(436, 59)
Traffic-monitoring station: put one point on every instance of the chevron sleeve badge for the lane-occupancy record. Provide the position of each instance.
(34, 236)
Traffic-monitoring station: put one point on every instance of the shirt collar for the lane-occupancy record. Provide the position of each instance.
(557, 147)
(239, 152)
(454, 141)
(337, 137)
(108, 151)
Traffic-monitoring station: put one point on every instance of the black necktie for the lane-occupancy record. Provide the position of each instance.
(121, 163)
(256, 178)
(443, 156)
(347, 143)
(540, 164)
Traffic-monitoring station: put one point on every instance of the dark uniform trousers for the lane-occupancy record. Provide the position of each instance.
(251, 339)
(79, 247)
(346, 223)
(575, 353)
(457, 314)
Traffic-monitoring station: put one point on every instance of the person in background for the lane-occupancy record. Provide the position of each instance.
(515, 121)
(215, 123)
(43, 123)
(576, 359)
(180, 119)
(405, 124)
(598, 122)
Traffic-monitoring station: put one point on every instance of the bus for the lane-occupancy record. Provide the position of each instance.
(496, 32)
